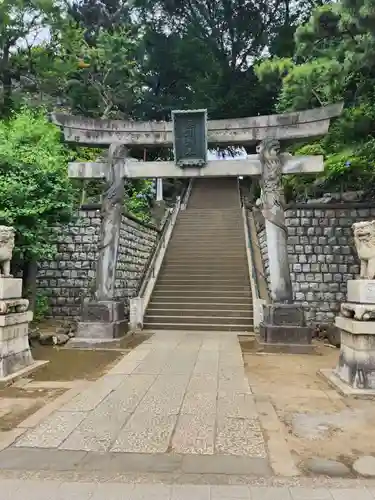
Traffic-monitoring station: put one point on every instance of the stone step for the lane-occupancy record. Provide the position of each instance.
(208, 244)
(198, 327)
(209, 230)
(218, 252)
(207, 238)
(198, 268)
(235, 313)
(205, 257)
(204, 286)
(210, 214)
(211, 222)
(211, 306)
(204, 283)
(212, 281)
(203, 320)
(166, 274)
(212, 228)
(205, 262)
(234, 298)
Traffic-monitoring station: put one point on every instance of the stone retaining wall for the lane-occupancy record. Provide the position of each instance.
(136, 244)
(321, 254)
(67, 277)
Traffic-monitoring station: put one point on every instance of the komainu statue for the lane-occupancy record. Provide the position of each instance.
(6, 249)
(364, 239)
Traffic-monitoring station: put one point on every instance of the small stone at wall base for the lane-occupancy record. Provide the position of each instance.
(47, 339)
(62, 338)
(365, 466)
(324, 467)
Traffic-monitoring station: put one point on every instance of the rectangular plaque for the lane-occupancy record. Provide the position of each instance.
(190, 138)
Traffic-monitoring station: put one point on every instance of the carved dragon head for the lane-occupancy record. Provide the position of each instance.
(117, 151)
(269, 148)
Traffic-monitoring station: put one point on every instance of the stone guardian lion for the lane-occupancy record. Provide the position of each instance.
(364, 239)
(6, 249)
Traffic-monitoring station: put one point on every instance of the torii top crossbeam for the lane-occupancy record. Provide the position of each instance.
(288, 126)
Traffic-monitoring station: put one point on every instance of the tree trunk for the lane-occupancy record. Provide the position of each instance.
(30, 269)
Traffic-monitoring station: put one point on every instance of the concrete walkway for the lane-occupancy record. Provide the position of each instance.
(54, 490)
(173, 420)
(178, 403)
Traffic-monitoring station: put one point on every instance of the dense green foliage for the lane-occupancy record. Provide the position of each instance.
(35, 191)
(334, 60)
(139, 59)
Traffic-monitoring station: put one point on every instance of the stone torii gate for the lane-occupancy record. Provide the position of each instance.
(190, 134)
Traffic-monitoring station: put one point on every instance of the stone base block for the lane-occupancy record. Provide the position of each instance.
(272, 334)
(16, 318)
(23, 372)
(283, 314)
(103, 312)
(269, 347)
(97, 331)
(15, 351)
(355, 327)
(102, 321)
(344, 389)
(361, 291)
(10, 288)
(356, 366)
(14, 361)
(360, 312)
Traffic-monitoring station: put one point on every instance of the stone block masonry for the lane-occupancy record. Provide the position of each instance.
(136, 244)
(322, 255)
(70, 275)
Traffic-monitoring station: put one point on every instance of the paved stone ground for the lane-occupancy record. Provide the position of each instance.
(54, 490)
(180, 401)
(174, 419)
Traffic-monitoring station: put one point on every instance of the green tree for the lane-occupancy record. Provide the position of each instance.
(109, 83)
(201, 53)
(21, 23)
(334, 60)
(35, 192)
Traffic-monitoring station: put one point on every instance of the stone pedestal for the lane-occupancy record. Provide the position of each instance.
(355, 370)
(283, 329)
(15, 355)
(356, 365)
(101, 321)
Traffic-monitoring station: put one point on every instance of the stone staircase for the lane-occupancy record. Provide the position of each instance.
(204, 281)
